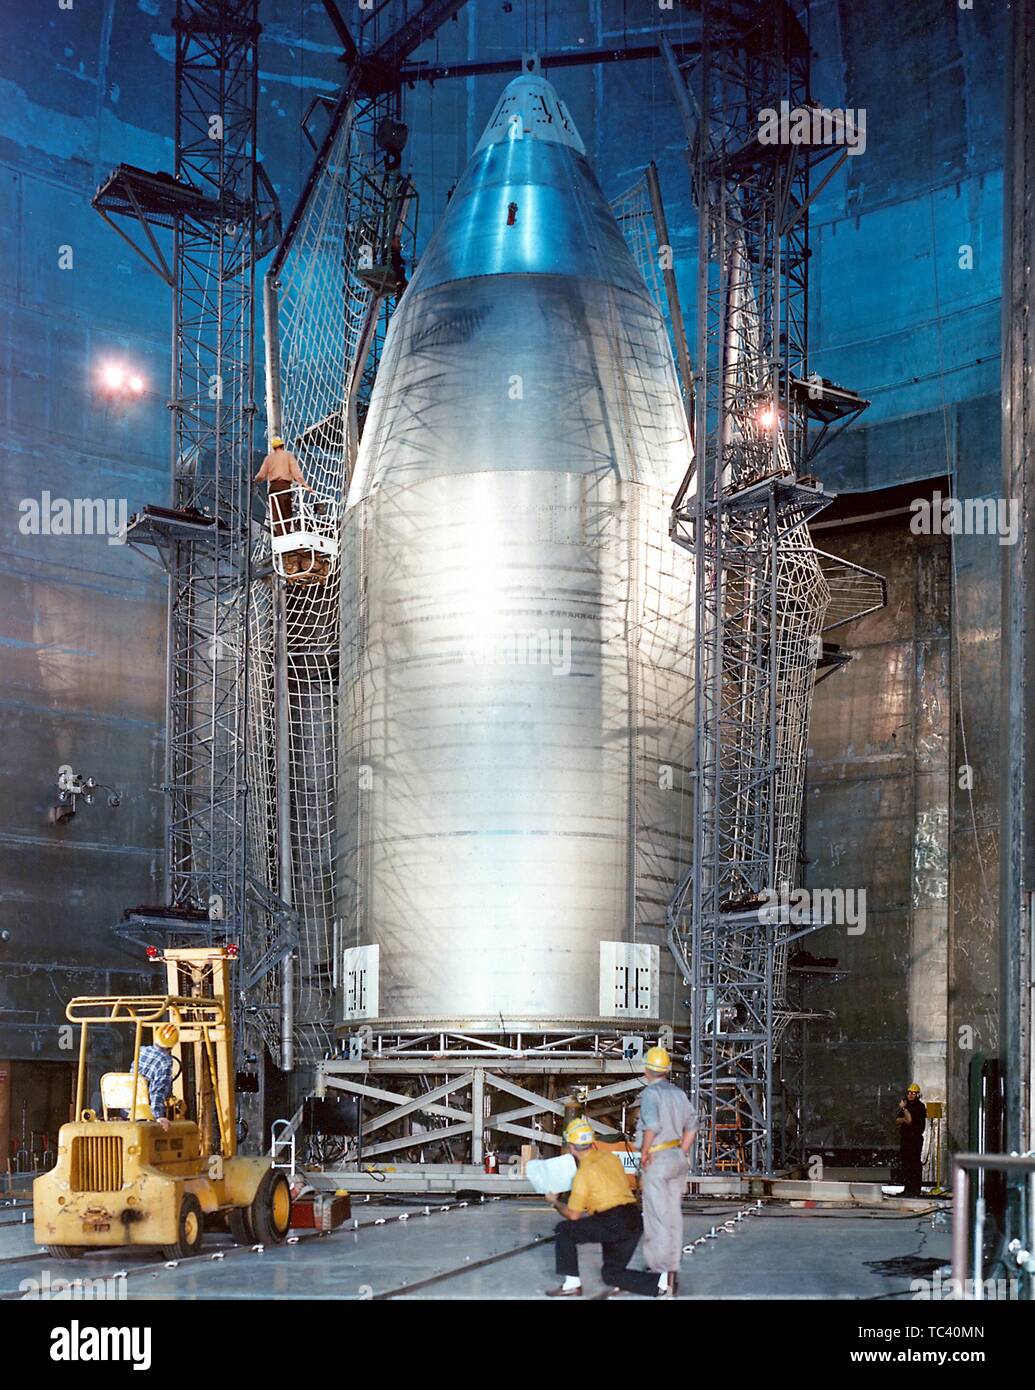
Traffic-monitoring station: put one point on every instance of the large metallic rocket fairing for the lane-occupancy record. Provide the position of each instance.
(515, 699)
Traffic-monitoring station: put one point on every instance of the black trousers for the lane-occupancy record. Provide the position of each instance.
(618, 1230)
(912, 1168)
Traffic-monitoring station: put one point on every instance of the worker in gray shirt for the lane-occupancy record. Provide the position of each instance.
(665, 1133)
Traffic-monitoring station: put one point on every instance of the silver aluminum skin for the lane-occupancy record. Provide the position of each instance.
(516, 705)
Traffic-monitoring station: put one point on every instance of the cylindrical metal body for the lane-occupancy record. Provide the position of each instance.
(515, 703)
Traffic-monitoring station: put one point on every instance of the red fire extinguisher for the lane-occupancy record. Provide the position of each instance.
(491, 1163)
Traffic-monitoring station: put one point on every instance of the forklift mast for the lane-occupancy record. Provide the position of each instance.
(202, 972)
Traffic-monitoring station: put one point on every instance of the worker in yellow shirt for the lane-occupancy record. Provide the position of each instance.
(601, 1210)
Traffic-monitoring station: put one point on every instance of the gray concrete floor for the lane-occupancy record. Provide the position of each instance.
(780, 1253)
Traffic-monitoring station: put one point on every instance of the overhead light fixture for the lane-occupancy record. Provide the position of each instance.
(118, 381)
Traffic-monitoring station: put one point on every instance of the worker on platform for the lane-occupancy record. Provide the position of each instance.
(665, 1134)
(911, 1120)
(600, 1210)
(280, 472)
(398, 266)
(156, 1067)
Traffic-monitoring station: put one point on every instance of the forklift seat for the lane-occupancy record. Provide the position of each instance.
(117, 1094)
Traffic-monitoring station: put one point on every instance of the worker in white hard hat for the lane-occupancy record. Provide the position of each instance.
(665, 1134)
(600, 1210)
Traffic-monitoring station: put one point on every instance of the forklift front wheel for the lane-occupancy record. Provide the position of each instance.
(191, 1230)
(271, 1210)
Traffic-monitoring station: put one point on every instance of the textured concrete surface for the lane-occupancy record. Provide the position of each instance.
(877, 819)
(777, 1254)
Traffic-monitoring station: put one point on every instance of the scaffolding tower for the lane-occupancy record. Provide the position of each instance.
(222, 216)
(328, 296)
(764, 596)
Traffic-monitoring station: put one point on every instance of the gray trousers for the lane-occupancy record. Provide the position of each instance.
(662, 1186)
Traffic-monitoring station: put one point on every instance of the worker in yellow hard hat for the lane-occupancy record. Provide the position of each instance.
(280, 472)
(665, 1134)
(912, 1121)
(156, 1067)
(600, 1210)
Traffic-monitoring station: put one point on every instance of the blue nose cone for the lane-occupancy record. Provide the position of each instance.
(528, 203)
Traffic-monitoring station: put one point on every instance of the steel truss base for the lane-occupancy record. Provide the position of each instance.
(435, 1105)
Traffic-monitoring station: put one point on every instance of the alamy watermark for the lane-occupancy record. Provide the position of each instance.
(939, 1290)
(800, 907)
(813, 125)
(44, 1288)
(76, 516)
(966, 516)
(545, 647)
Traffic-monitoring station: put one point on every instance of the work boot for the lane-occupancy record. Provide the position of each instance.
(561, 1292)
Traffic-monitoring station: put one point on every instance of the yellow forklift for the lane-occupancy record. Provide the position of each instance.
(122, 1178)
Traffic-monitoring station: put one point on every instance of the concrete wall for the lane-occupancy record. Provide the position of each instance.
(877, 819)
(82, 622)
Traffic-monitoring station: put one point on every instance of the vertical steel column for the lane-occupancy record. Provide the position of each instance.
(1017, 718)
(478, 1115)
(675, 309)
(759, 595)
(285, 858)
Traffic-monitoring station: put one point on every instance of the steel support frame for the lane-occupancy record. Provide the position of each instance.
(213, 413)
(455, 1099)
(222, 215)
(211, 206)
(744, 511)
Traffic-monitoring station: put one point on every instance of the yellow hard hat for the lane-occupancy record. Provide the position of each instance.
(913, 1087)
(168, 1035)
(657, 1059)
(276, 442)
(579, 1132)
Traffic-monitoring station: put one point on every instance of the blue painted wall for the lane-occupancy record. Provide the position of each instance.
(82, 622)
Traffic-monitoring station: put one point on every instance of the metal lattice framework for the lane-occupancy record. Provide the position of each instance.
(213, 412)
(762, 591)
(328, 297)
(222, 216)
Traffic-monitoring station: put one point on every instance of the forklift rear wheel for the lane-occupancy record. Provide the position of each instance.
(65, 1252)
(191, 1230)
(241, 1227)
(271, 1210)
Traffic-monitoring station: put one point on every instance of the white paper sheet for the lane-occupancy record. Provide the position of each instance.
(551, 1174)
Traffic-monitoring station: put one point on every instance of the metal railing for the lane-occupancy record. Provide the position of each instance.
(1023, 1253)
